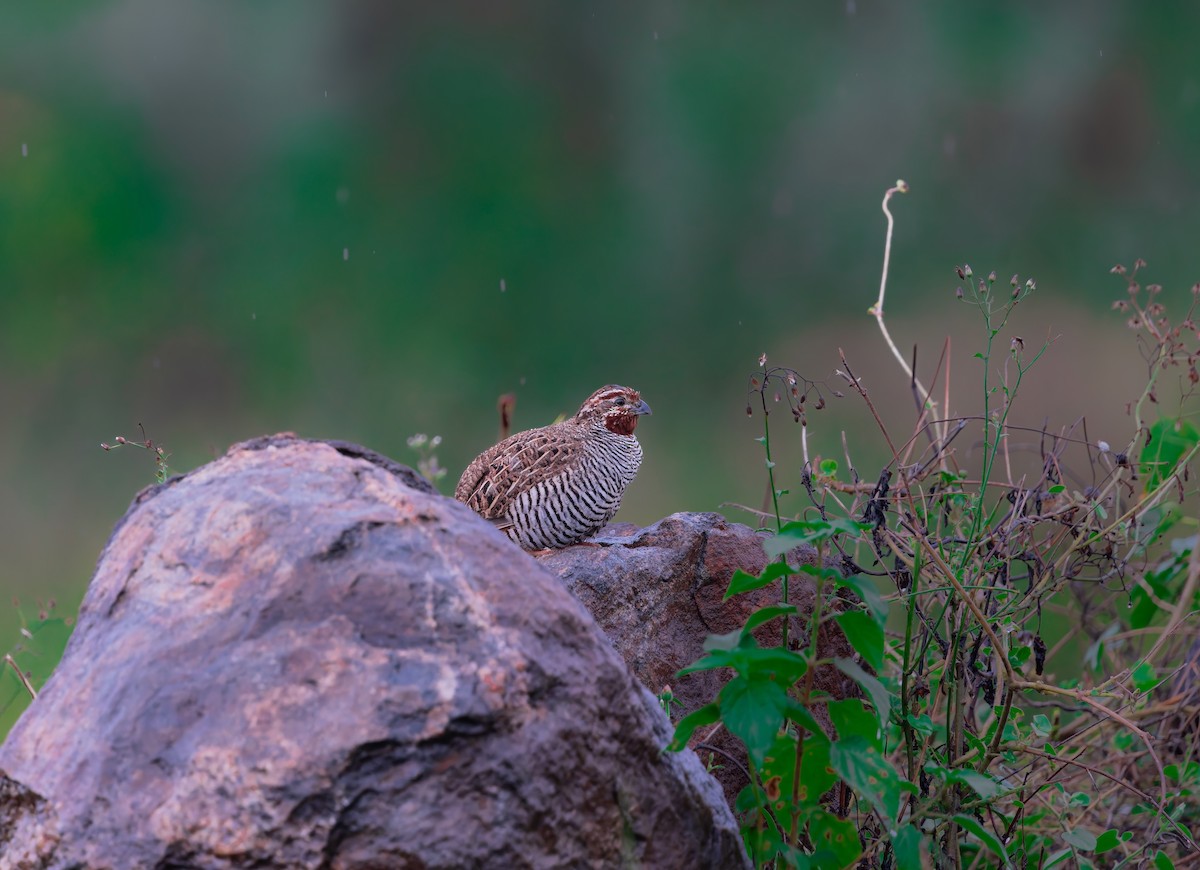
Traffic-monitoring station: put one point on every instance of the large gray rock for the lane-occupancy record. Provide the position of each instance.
(299, 656)
(658, 593)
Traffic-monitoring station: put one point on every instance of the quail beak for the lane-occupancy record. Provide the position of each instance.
(642, 408)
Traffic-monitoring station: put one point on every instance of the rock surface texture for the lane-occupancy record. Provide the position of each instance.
(299, 656)
(657, 594)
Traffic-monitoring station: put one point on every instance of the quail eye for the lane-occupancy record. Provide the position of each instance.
(619, 401)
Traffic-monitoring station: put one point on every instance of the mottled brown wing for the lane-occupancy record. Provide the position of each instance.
(498, 475)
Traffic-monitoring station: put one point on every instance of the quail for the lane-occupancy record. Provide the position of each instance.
(552, 487)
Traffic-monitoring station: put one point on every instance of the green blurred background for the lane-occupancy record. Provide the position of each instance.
(365, 220)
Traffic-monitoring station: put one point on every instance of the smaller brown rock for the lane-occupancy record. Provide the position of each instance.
(658, 594)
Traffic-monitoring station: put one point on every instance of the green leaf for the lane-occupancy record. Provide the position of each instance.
(706, 715)
(880, 697)
(762, 838)
(829, 575)
(1057, 858)
(971, 825)
(906, 848)
(779, 773)
(835, 841)
(922, 724)
(1163, 862)
(718, 658)
(1144, 677)
(1108, 841)
(747, 799)
(784, 665)
(864, 587)
(852, 718)
(742, 582)
(980, 783)
(1145, 607)
(1041, 725)
(1169, 441)
(864, 634)
(975, 743)
(810, 532)
(793, 858)
(1018, 656)
(752, 710)
(795, 712)
(1084, 841)
(865, 770)
(816, 774)
(829, 467)
(766, 614)
(1168, 516)
(749, 659)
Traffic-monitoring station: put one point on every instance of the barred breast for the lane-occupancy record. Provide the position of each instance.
(564, 509)
(552, 487)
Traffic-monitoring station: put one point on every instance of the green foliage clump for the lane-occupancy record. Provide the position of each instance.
(1029, 682)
